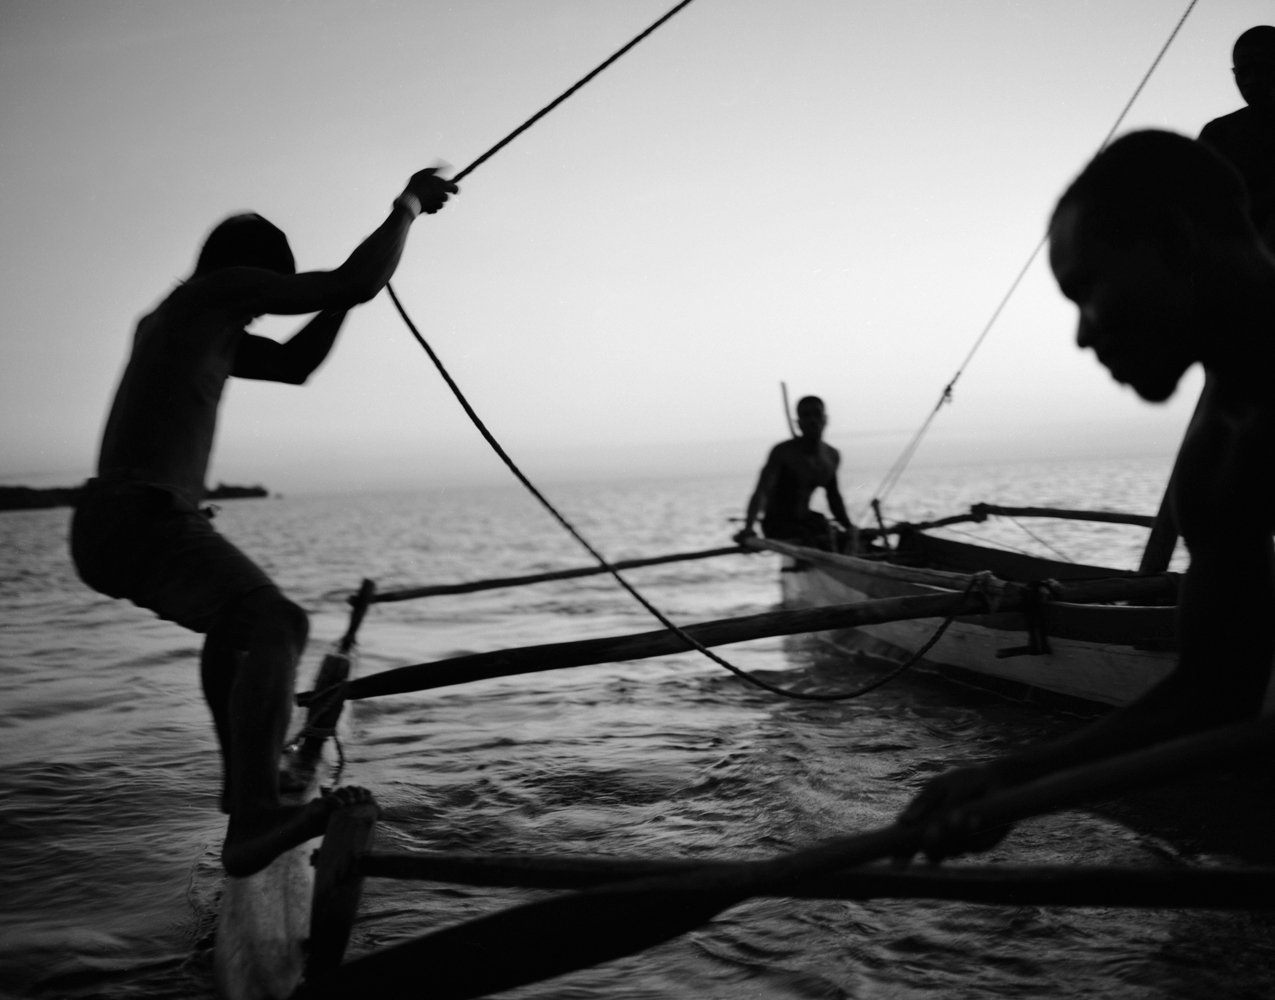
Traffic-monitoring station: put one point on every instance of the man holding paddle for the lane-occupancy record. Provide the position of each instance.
(1154, 244)
(138, 532)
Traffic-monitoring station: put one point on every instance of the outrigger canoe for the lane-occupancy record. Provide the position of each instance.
(1100, 653)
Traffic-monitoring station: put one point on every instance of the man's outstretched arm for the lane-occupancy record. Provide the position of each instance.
(256, 292)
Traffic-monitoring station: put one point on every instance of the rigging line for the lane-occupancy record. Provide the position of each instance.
(568, 92)
(892, 477)
(1058, 553)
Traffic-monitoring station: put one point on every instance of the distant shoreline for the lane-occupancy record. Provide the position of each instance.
(33, 498)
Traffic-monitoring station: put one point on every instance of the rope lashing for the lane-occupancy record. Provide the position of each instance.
(1036, 597)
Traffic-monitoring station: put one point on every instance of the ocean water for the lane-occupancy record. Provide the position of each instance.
(109, 832)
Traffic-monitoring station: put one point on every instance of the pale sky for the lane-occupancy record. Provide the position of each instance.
(832, 194)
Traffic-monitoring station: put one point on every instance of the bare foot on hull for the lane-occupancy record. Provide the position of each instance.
(253, 842)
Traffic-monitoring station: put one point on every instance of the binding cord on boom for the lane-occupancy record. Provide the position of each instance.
(896, 471)
(513, 468)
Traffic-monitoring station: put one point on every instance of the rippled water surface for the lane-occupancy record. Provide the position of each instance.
(108, 772)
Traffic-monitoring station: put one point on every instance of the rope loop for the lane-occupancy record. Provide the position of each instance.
(985, 584)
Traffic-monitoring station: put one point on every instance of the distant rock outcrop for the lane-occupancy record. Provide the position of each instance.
(32, 498)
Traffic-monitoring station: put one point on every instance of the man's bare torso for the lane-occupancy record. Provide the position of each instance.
(802, 470)
(164, 417)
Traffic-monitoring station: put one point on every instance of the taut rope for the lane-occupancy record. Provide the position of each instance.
(896, 471)
(567, 93)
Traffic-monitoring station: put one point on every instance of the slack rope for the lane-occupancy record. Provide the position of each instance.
(601, 560)
(896, 471)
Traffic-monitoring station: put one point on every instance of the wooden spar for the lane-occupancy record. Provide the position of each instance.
(560, 655)
(979, 512)
(1157, 763)
(338, 882)
(546, 938)
(434, 590)
(1017, 885)
(359, 603)
(1102, 516)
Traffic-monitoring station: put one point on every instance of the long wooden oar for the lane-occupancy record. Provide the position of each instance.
(614, 649)
(1014, 885)
(539, 940)
(495, 583)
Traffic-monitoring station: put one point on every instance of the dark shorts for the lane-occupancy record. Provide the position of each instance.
(154, 547)
(810, 528)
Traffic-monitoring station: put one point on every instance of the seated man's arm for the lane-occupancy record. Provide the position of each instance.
(839, 513)
(761, 494)
(833, 492)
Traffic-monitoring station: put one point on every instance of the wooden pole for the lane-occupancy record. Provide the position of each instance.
(338, 883)
(980, 512)
(642, 645)
(1099, 516)
(1013, 885)
(546, 938)
(435, 590)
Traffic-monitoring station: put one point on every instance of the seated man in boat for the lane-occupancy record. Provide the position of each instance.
(1246, 138)
(793, 471)
(138, 532)
(1154, 244)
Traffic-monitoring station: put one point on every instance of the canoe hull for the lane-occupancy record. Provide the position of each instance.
(1108, 655)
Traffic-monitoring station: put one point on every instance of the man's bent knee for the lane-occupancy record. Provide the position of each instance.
(266, 609)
